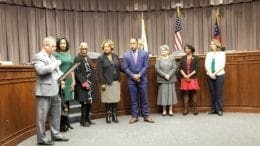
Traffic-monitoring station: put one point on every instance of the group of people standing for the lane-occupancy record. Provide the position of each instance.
(188, 68)
(80, 85)
(166, 69)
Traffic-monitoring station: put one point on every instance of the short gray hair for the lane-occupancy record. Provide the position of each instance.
(164, 47)
(83, 43)
(48, 40)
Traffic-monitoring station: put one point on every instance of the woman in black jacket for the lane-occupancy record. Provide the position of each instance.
(189, 65)
(108, 68)
(85, 84)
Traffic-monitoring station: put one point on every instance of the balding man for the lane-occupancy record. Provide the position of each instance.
(47, 92)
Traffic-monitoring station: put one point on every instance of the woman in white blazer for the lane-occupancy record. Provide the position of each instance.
(214, 64)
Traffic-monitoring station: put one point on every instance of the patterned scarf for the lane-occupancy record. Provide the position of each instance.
(89, 73)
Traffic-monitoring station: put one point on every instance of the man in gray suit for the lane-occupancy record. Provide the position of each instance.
(47, 93)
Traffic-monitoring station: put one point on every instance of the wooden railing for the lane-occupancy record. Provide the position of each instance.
(17, 101)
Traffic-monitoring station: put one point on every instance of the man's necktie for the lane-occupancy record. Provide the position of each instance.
(135, 57)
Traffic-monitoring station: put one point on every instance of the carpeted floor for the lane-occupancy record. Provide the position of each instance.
(232, 129)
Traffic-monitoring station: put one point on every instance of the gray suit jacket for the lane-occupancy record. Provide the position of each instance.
(47, 74)
(166, 67)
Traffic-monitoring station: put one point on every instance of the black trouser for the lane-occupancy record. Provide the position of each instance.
(85, 110)
(216, 91)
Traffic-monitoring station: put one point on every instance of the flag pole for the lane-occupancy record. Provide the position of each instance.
(143, 34)
(217, 15)
(177, 34)
(216, 27)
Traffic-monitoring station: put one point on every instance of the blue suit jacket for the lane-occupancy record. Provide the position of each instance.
(140, 68)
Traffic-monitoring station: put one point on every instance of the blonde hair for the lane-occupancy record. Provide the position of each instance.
(109, 42)
(216, 43)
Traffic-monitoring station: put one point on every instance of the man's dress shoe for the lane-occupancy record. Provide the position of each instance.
(46, 143)
(61, 139)
(213, 112)
(220, 113)
(133, 120)
(149, 120)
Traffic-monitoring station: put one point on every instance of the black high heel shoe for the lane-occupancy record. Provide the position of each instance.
(213, 112)
(164, 114)
(185, 113)
(69, 126)
(195, 112)
(64, 129)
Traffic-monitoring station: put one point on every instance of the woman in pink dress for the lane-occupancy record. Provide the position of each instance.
(189, 65)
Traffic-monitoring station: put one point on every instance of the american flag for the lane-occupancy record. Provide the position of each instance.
(217, 35)
(177, 36)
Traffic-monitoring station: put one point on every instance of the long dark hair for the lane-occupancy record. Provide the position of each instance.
(58, 45)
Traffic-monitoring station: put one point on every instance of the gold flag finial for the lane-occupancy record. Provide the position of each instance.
(178, 7)
(178, 11)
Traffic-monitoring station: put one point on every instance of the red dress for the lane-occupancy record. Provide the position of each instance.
(191, 84)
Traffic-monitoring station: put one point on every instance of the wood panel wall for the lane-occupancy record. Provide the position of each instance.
(17, 101)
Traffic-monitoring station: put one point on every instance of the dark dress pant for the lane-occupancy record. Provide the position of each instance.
(216, 91)
(134, 95)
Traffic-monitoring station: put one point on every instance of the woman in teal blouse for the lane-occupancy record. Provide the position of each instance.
(62, 53)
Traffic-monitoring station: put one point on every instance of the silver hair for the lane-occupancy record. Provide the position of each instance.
(48, 40)
(164, 47)
(83, 43)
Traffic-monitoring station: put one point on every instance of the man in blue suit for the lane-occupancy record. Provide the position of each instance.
(135, 64)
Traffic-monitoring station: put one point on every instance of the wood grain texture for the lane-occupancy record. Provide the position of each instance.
(17, 100)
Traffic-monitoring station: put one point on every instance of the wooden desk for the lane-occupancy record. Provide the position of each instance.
(17, 103)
